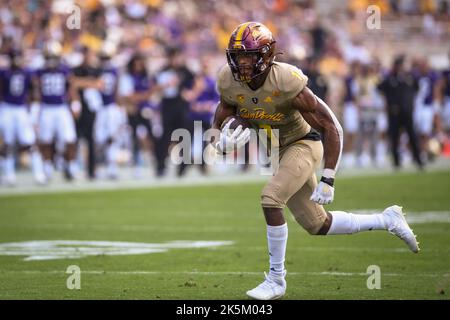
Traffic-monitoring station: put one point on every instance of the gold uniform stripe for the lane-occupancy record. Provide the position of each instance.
(240, 33)
(296, 74)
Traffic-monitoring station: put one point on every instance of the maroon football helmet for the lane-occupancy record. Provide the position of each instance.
(251, 51)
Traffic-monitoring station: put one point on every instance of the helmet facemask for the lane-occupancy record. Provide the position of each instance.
(257, 59)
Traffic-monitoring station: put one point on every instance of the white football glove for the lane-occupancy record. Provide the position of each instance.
(229, 142)
(324, 192)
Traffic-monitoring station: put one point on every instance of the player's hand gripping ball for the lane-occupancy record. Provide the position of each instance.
(235, 133)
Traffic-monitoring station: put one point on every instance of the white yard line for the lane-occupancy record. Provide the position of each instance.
(217, 273)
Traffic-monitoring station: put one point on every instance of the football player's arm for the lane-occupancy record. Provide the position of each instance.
(191, 94)
(320, 117)
(85, 82)
(227, 142)
(136, 97)
(75, 83)
(223, 111)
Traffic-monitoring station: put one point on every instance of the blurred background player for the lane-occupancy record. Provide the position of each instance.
(370, 105)
(426, 111)
(334, 35)
(136, 87)
(317, 82)
(445, 93)
(350, 115)
(56, 123)
(17, 128)
(109, 118)
(202, 99)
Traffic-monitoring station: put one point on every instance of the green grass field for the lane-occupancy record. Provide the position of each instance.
(318, 267)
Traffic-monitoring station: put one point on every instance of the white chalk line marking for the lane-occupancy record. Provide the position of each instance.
(216, 273)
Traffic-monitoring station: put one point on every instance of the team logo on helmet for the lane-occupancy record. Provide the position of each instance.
(254, 41)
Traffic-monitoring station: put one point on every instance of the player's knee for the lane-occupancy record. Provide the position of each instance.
(270, 198)
(70, 151)
(313, 227)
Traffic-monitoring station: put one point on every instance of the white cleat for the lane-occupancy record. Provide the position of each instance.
(397, 225)
(274, 287)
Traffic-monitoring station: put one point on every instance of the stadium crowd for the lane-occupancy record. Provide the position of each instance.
(108, 84)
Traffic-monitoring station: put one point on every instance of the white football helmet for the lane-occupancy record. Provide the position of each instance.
(108, 50)
(52, 49)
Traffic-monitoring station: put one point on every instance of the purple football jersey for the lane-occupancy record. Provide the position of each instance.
(16, 86)
(109, 77)
(427, 83)
(54, 85)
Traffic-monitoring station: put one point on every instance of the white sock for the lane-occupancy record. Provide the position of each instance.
(48, 168)
(381, 153)
(111, 159)
(9, 166)
(73, 168)
(2, 166)
(37, 166)
(348, 223)
(277, 240)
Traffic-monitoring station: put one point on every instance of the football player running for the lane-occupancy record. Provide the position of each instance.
(268, 93)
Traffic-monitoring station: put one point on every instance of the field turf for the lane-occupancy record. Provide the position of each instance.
(331, 267)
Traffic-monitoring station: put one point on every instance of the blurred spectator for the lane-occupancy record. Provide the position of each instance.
(446, 101)
(370, 106)
(319, 37)
(399, 88)
(203, 99)
(173, 79)
(333, 34)
(90, 103)
(135, 90)
(426, 104)
(350, 114)
(110, 118)
(316, 81)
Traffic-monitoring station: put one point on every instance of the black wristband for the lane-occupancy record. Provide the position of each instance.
(328, 181)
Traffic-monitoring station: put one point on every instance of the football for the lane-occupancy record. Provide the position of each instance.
(236, 123)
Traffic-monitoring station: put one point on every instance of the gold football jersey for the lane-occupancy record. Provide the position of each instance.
(269, 107)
